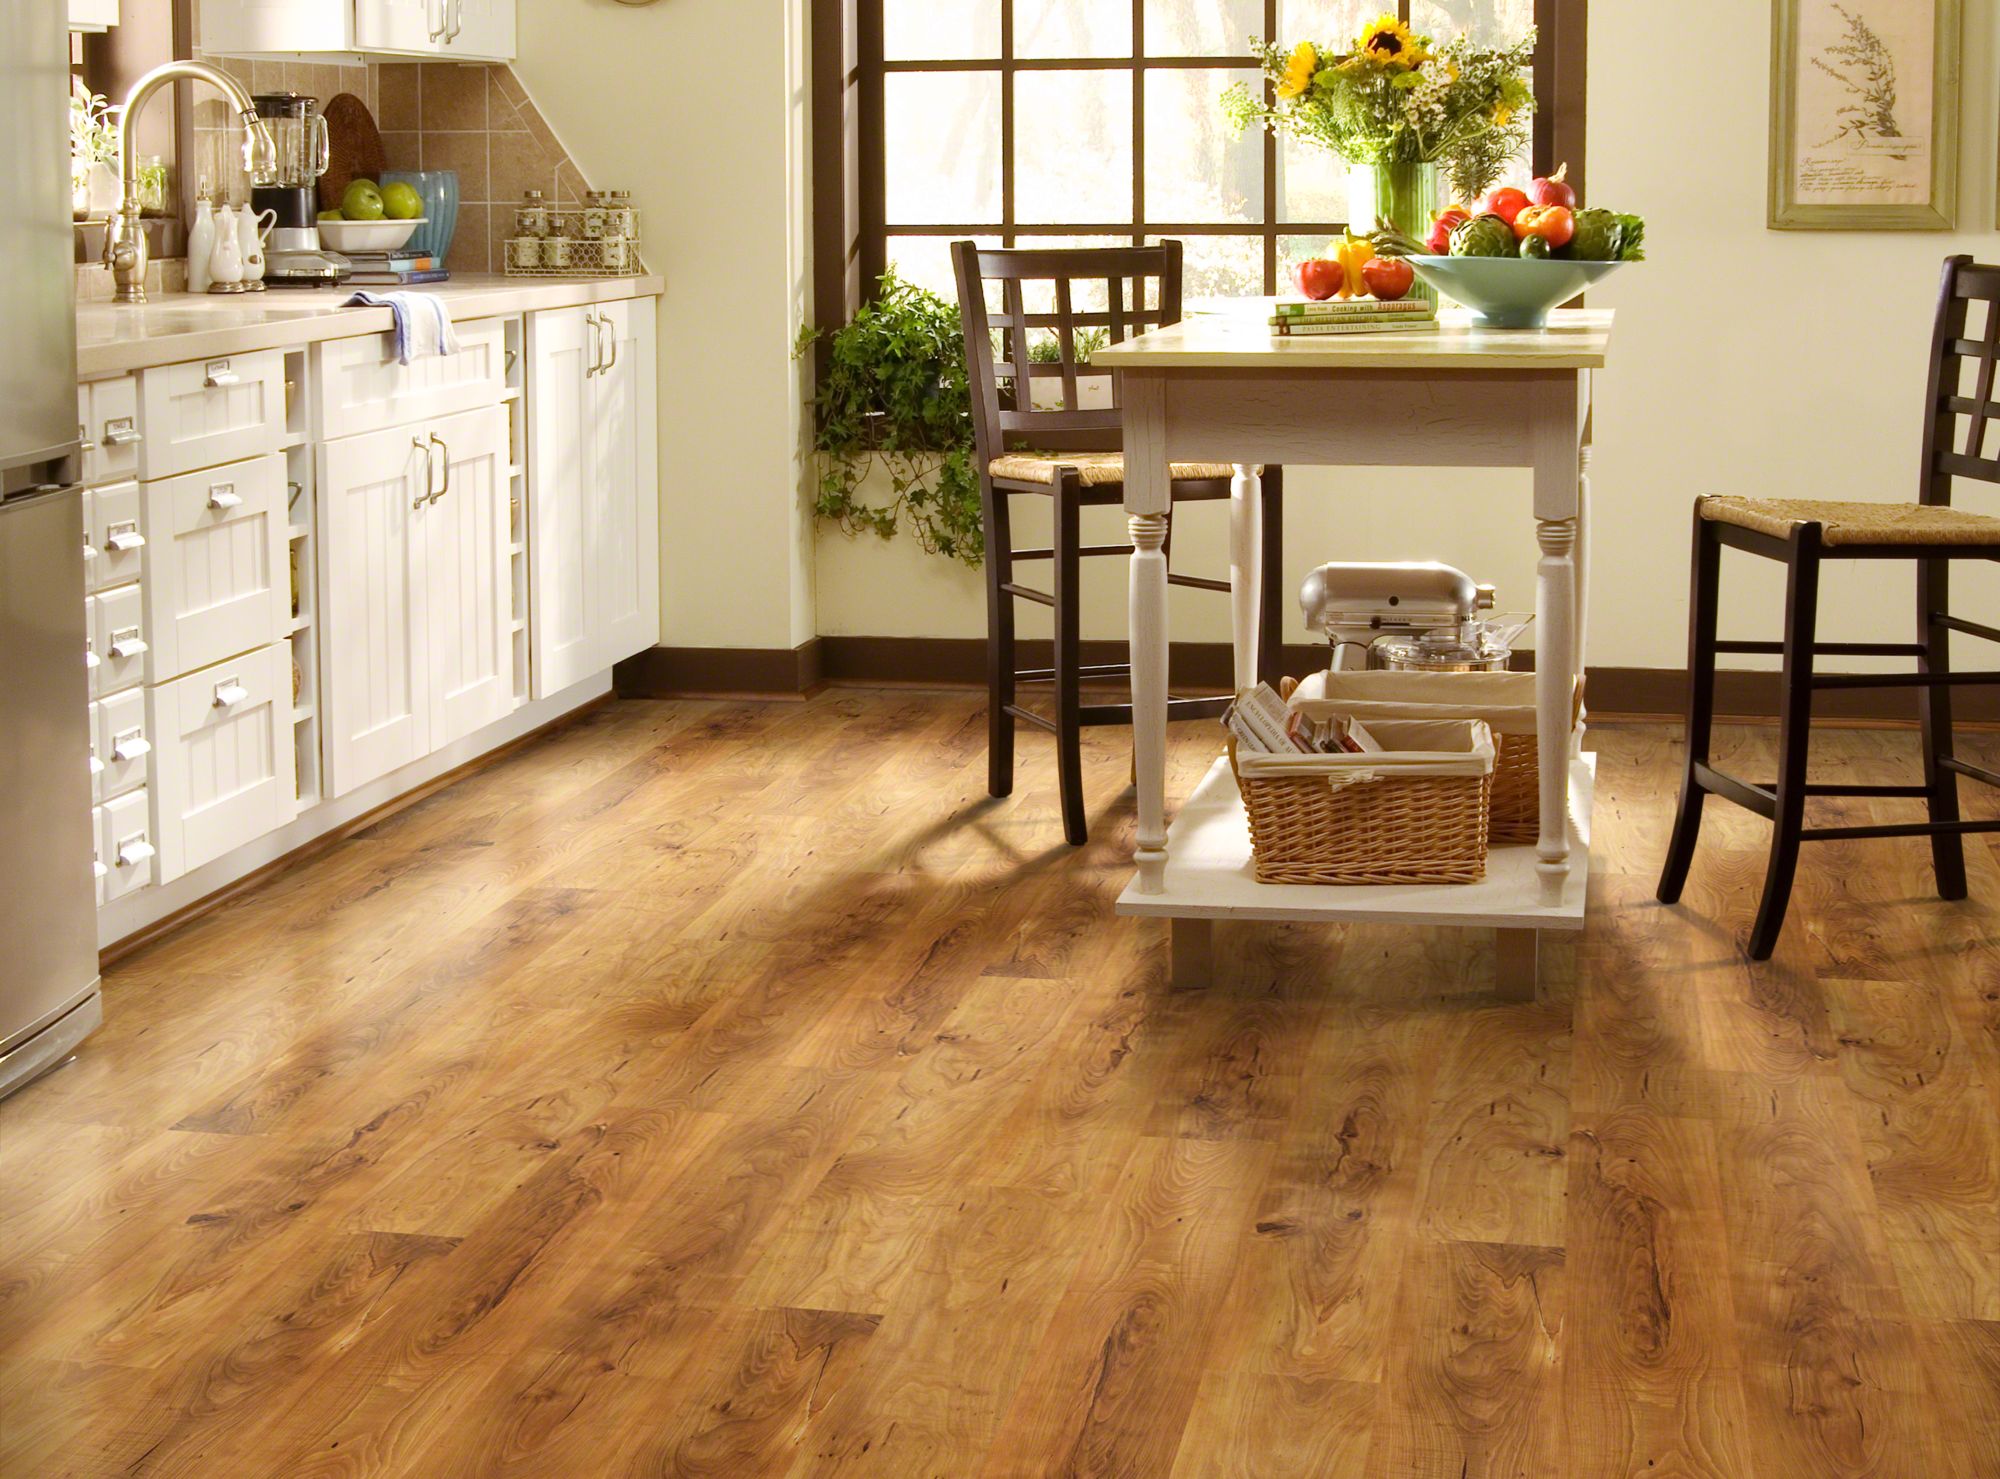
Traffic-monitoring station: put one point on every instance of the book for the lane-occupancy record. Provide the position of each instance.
(1260, 720)
(397, 279)
(392, 261)
(1358, 307)
(1404, 324)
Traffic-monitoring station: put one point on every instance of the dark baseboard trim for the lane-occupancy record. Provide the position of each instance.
(960, 662)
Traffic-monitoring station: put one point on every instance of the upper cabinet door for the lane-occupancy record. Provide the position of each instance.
(374, 661)
(563, 350)
(625, 486)
(467, 30)
(400, 25)
(482, 29)
(468, 581)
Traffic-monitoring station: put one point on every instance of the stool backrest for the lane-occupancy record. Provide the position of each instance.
(1120, 291)
(1962, 435)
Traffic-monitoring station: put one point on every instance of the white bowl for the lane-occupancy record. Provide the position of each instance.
(367, 236)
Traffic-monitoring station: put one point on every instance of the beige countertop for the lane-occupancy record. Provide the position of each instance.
(115, 337)
(1576, 339)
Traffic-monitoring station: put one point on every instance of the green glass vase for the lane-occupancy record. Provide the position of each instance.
(1404, 196)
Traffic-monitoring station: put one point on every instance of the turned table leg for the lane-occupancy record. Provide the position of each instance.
(1246, 569)
(1558, 436)
(1147, 501)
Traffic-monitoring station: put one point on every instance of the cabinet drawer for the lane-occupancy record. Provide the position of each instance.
(126, 846)
(362, 387)
(108, 411)
(218, 579)
(118, 628)
(224, 761)
(112, 533)
(120, 741)
(210, 412)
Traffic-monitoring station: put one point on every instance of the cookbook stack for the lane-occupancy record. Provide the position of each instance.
(1352, 316)
(400, 268)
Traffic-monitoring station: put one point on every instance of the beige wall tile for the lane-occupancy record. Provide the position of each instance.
(465, 153)
(518, 163)
(469, 242)
(403, 148)
(454, 98)
(399, 99)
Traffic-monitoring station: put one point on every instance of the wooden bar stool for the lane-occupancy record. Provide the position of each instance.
(1803, 533)
(1071, 454)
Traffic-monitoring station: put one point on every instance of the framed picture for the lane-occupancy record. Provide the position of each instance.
(1864, 115)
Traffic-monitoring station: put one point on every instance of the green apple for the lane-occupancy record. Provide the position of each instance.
(401, 202)
(331, 216)
(361, 201)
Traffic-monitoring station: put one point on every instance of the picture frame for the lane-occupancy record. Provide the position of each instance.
(1864, 115)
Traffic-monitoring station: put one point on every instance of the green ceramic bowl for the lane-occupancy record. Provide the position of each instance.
(1509, 292)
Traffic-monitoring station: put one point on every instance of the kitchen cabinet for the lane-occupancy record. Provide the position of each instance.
(93, 15)
(593, 489)
(225, 770)
(458, 30)
(416, 618)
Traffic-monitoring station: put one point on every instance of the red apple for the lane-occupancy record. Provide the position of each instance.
(1388, 278)
(1506, 202)
(1320, 278)
(1553, 189)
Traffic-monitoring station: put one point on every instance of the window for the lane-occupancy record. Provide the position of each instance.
(1093, 122)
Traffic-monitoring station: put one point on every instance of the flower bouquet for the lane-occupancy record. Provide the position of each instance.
(1401, 109)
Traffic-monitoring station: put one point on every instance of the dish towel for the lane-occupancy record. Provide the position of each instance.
(423, 323)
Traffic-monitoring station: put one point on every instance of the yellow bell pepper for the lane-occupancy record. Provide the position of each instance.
(1352, 253)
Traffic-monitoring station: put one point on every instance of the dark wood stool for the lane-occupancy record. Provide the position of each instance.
(1072, 455)
(1803, 533)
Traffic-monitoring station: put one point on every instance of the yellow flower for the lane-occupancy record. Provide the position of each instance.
(1387, 42)
(1299, 71)
(1501, 114)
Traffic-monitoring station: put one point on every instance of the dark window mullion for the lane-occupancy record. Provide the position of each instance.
(1138, 121)
(1006, 122)
(1273, 207)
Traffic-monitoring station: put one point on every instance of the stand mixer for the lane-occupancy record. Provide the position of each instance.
(294, 257)
(1408, 615)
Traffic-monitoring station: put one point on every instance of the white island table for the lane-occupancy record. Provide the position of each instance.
(1222, 388)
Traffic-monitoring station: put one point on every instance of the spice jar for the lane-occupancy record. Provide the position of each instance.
(593, 215)
(555, 252)
(623, 220)
(614, 253)
(531, 216)
(525, 253)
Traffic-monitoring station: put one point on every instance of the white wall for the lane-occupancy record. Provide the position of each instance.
(1745, 360)
(696, 106)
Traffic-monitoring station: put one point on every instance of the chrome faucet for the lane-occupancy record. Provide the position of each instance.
(125, 240)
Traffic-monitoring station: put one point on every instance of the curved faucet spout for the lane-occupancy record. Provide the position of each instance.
(125, 240)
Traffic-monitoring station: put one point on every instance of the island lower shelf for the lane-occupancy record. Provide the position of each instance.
(1210, 874)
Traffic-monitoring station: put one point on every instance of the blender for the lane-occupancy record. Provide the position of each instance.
(293, 256)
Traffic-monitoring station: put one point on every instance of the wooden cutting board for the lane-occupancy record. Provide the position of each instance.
(354, 148)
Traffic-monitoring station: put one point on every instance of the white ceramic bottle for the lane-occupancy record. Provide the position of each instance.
(225, 259)
(201, 242)
(250, 243)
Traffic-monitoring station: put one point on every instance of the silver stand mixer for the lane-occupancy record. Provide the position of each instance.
(1412, 615)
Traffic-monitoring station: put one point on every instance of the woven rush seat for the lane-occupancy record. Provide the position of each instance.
(1856, 523)
(1094, 469)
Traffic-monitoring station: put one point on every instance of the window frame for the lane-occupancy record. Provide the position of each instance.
(851, 227)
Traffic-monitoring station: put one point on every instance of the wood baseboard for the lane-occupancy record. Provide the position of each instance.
(960, 662)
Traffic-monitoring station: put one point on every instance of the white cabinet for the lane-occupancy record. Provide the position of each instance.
(460, 30)
(360, 385)
(225, 769)
(208, 412)
(593, 490)
(416, 609)
(93, 15)
(217, 578)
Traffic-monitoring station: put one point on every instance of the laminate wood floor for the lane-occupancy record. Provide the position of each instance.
(722, 1089)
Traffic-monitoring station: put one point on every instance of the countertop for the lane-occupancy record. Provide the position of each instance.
(115, 337)
(1575, 339)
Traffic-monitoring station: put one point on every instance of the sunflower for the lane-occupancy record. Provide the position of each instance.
(1299, 71)
(1387, 42)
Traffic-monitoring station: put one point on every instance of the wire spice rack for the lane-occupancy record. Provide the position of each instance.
(593, 242)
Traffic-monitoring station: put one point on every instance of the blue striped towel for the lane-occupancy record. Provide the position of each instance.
(423, 323)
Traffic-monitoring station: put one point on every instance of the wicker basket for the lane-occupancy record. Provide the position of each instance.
(1417, 829)
(1506, 701)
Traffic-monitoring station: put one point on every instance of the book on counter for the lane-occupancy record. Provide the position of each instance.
(1353, 307)
(397, 279)
(1354, 316)
(1402, 323)
(400, 261)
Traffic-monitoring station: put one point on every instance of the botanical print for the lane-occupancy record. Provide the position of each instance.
(1864, 88)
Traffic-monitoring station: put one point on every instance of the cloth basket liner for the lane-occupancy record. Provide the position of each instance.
(1414, 749)
(1505, 702)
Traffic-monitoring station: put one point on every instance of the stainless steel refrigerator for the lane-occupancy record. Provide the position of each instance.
(48, 924)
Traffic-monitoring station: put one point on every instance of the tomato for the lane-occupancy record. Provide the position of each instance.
(1505, 202)
(1320, 278)
(1388, 278)
(1555, 224)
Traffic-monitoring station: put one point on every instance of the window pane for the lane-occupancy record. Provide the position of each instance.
(1490, 21)
(926, 261)
(1331, 22)
(1312, 182)
(931, 30)
(1221, 267)
(1202, 27)
(1072, 146)
(1071, 28)
(942, 132)
(1196, 170)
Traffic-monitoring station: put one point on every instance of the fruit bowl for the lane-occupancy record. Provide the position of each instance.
(367, 236)
(1509, 292)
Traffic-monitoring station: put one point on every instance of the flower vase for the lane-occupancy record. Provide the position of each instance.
(1403, 196)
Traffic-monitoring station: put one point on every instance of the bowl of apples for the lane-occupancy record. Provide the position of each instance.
(1516, 254)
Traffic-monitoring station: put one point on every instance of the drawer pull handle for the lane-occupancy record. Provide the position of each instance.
(217, 374)
(97, 868)
(223, 497)
(130, 745)
(430, 474)
(90, 657)
(133, 851)
(229, 693)
(127, 642)
(89, 551)
(86, 446)
(121, 433)
(96, 765)
(125, 537)
(444, 448)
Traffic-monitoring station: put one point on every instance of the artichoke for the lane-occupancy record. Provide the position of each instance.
(1599, 234)
(1534, 246)
(1483, 236)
